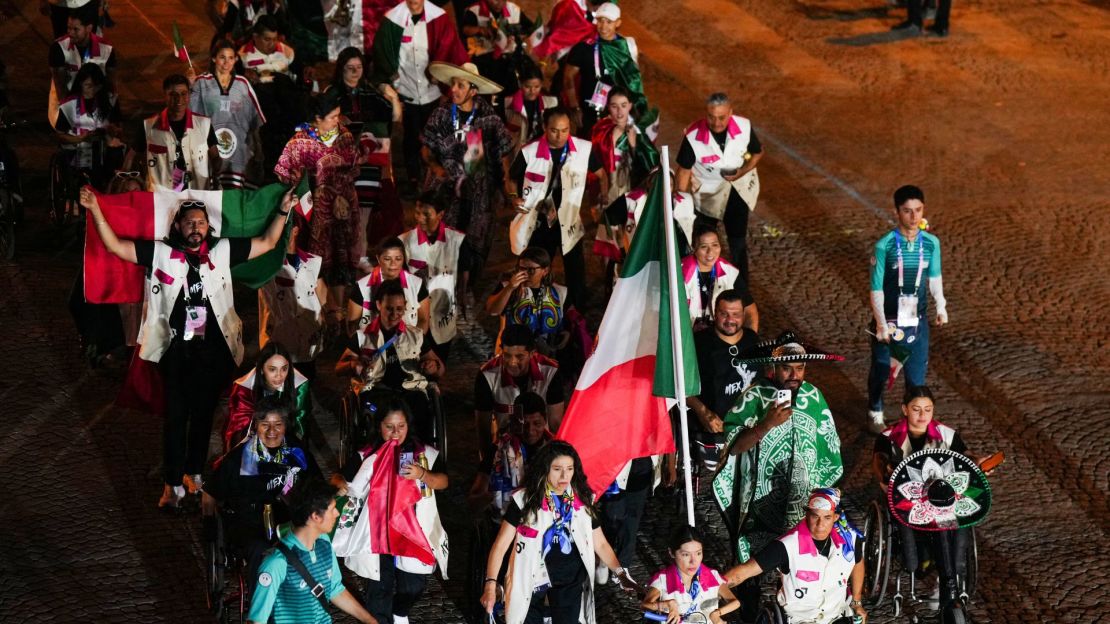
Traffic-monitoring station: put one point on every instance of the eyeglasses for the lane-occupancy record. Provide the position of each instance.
(192, 203)
(127, 175)
(530, 270)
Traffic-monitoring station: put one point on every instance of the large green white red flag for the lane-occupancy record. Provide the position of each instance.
(618, 411)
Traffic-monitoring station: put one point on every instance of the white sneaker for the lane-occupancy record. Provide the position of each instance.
(876, 423)
(602, 574)
(400, 619)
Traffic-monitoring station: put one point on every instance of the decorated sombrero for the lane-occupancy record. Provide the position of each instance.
(444, 72)
(786, 349)
(938, 490)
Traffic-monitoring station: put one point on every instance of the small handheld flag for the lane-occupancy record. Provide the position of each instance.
(179, 49)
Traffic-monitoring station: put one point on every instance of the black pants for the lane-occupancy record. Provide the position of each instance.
(916, 543)
(736, 229)
(564, 603)
(621, 513)
(415, 118)
(394, 592)
(915, 13)
(550, 239)
(194, 375)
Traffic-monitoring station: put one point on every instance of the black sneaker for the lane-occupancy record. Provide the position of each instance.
(907, 26)
(938, 32)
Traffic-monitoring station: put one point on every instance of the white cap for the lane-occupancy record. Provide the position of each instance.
(609, 11)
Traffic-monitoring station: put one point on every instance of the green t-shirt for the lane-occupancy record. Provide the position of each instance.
(923, 252)
(281, 591)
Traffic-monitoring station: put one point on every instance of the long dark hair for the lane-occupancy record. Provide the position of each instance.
(345, 55)
(102, 100)
(535, 479)
(271, 349)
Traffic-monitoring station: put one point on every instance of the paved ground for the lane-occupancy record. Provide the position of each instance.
(1005, 126)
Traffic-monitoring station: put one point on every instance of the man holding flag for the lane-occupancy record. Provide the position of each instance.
(190, 328)
(899, 302)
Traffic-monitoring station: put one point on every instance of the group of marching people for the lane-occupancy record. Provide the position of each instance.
(551, 122)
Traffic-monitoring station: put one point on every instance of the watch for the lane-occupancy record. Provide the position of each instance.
(855, 603)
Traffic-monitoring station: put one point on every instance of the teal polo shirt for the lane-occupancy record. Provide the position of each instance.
(280, 590)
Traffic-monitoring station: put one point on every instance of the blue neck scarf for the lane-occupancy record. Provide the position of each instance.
(558, 534)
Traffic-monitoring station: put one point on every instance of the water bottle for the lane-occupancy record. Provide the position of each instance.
(268, 520)
(425, 491)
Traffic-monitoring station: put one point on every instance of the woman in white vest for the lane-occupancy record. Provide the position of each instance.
(553, 531)
(705, 275)
(389, 530)
(717, 163)
(916, 431)
(391, 265)
(88, 127)
(291, 306)
(686, 588)
(547, 186)
(433, 250)
(820, 562)
(190, 328)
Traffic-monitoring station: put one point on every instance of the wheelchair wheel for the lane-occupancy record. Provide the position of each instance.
(59, 191)
(439, 420)
(771, 613)
(215, 563)
(955, 614)
(348, 407)
(7, 225)
(967, 582)
(476, 573)
(876, 552)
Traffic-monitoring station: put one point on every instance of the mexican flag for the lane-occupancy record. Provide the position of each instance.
(444, 44)
(179, 49)
(618, 411)
(567, 26)
(144, 215)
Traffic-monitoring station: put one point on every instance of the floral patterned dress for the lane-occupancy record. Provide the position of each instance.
(333, 232)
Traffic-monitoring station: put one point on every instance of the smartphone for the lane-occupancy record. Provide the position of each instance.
(783, 397)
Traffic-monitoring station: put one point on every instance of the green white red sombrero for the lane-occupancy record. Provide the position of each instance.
(786, 349)
(938, 490)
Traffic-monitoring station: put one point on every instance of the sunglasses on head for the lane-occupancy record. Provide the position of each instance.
(192, 203)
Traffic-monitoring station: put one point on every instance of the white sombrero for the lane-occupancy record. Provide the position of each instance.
(444, 72)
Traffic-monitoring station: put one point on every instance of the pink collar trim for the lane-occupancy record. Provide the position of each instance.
(544, 151)
(376, 275)
(701, 130)
(805, 539)
(706, 579)
(423, 239)
(164, 120)
(690, 267)
(901, 430)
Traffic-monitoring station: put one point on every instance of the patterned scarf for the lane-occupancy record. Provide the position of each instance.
(562, 506)
(255, 452)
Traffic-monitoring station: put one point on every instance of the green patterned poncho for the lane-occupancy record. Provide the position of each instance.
(764, 490)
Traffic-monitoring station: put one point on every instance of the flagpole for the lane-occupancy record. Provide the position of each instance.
(676, 330)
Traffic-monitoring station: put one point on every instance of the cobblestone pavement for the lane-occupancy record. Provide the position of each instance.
(1004, 124)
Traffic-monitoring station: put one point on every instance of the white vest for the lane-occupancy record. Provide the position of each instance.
(82, 122)
(947, 435)
(276, 62)
(99, 52)
(656, 470)
(161, 149)
(684, 216)
(413, 57)
(669, 583)
(354, 543)
(164, 285)
(526, 565)
(726, 278)
(710, 190)
(409, 282)
(541, 370)
(441, 259)
(407, 347)
(817, 588)
(537, 181)
(289, 310)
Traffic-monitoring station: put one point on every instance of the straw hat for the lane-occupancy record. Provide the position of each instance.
(444, 72)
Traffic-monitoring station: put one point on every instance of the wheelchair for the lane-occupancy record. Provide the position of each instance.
(882, 547)
(226, 586)
(359, 408)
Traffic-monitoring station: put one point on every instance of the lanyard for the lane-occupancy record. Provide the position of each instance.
(455, 119)
(920, 261)
(563, 155)
(597, 58)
